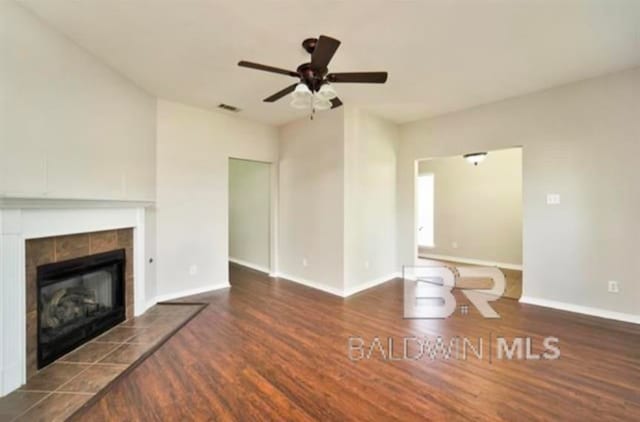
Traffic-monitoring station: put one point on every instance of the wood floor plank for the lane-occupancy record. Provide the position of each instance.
(268, 349)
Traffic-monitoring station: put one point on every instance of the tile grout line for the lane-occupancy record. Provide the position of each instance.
(57, 390)
(81, 393)
(111, 352)
(95, 361)
(72, 378)
(152, 346)
(110, 364)
(49, 393)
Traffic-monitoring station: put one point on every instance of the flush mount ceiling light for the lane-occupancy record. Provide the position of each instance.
(475, 158)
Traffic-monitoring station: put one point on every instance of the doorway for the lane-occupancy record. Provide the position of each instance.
(250, 214)
(469, 212)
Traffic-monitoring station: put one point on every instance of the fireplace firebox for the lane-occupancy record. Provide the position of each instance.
(78, 300)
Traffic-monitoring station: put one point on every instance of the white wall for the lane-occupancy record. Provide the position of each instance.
(250, 213)
(580, 141)
(337, 200)
(73, 128)
(194, 147)
(311, 196)
(370, 200)
(479, 208)
(70, 126)
(151, 246)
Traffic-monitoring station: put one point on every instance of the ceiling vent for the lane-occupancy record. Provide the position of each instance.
(228, 107)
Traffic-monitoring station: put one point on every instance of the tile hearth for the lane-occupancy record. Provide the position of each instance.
(60, 389)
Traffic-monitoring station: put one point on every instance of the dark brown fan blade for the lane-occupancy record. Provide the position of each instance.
(335, 103)
(280, 94)
(266, 68)
(358, 77)
(323, 52)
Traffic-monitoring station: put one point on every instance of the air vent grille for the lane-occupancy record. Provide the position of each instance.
(229, 108)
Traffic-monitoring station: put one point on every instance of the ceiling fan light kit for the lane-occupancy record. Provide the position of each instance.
(314, 89)
(301, 102)
(302, 91)
(327, 92)
(321, 104)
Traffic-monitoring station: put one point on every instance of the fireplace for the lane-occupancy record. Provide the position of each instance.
(78, 299)
(38, 232)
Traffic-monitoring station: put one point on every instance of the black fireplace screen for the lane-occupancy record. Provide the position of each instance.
(78, 300)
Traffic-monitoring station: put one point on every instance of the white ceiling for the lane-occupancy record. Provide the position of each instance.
(441, 55)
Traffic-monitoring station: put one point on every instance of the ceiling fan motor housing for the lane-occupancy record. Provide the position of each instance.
(311, 77)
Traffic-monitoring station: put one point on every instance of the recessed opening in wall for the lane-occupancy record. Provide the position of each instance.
(469, 212)
(250, 214)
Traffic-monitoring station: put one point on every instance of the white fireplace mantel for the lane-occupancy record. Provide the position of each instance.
(22, 219)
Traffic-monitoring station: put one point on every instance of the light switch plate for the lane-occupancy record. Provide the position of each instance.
(553, 198)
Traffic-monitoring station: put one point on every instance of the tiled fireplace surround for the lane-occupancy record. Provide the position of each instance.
(36, 232)
(47, 250)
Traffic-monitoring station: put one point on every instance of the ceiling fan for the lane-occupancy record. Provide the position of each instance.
(314, 90)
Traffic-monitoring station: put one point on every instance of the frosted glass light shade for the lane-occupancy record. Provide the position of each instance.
(301, 91)
(321, 104)
(327, 92)
(301, 102)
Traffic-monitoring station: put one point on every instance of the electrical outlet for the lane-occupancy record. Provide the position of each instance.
(454, 245)
(304, 262)
(613, 287)
(553, 198)
(193, 270)
(366, 265)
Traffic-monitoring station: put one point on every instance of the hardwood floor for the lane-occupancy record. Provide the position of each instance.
(274, 350)
(513, 278)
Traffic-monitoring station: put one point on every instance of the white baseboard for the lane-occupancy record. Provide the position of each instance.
(150, 303)
(250, 265)
(190, 292)
(309, 283)
(586, 310)
(472, 261)
(369, 284)
(335, 290)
